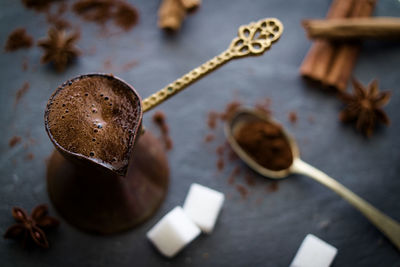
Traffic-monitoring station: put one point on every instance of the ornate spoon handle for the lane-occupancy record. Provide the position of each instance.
(253, 40)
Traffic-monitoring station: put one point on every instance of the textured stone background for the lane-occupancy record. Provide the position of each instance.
(249, 232)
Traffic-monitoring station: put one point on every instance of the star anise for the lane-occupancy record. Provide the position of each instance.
(59, 48)
(364, 106)
(31, 227)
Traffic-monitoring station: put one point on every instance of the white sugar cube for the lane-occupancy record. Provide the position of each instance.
(173, 232)
(314, 252)
(203, 205)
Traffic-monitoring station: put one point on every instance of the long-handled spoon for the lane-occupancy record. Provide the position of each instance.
(253, 40)
(384, 223)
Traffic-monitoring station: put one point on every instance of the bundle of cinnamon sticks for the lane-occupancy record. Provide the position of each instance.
(173, 12)
(378, 28)
(331, 63)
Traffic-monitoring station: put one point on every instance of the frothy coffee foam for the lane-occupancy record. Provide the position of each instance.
(94, 116)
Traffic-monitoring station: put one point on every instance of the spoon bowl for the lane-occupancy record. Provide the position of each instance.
(389, 227)
(237, 122)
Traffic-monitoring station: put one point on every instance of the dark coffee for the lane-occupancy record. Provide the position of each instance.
(95, 116)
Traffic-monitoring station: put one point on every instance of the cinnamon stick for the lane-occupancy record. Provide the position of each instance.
(191, 5)
(318, 60)
(173, 12)
(347, 54)
(171, 15)
(353, 28)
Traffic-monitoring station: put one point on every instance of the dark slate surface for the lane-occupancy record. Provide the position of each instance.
(248, 233)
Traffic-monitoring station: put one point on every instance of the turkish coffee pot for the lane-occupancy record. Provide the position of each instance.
(107, 174)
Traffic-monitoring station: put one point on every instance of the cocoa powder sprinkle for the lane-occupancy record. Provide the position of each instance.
(21, 92)
(14, 141)
(25, 65)
(159, 119)
(220, 150)
(292, 117)
(264, 105)
(123, 14)
(273, 186)
(18, 39)
(232, 177)
(209, 138)
(250, 180)
(230, 109)
(242, 190)
(212, 119)
(30, 156)
(220, 164)
(38, 5)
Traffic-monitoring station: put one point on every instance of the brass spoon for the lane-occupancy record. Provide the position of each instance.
(384, 223)
(253, 40)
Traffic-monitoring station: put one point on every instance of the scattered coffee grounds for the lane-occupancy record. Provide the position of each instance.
(311, 119)
(14, 141)
(91, 51)
(62, 8)
(58, 22)
(123, 14)
(220, 161)
(130, 65)
(107, 64)
(209, 138)
(244, 192)
(25, 65)
(259, 200)
(232, 156)
(235, 172)
(45, 6)
(30, 156)
(103, 112)
(249, 178)
(168, 143)
(93, 10)
(230, 109)
(21, 92)
(56, 19)
(224, 152)
(266, 144)
(273, 186)
(18, 39)
(220, 150)
(292, 117)
(38, 5)
(159, 119)
(126, 16)
(264, 105)
(212, 119)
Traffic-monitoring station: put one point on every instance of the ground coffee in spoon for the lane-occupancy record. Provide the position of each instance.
(95, 116)
(266, 144)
